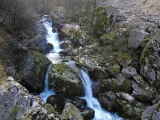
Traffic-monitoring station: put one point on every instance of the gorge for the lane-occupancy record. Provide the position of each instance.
(54, 57)
(79, 59)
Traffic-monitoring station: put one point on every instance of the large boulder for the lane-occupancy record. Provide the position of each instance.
(70, 112)
(151, 113)
(108, 100)
(63, 78)
(57, 101)
(121, 84)
(36, 43)
(150, 62)
(17, 104)
(141, 94)
(136, 37)
(32, 70)
(67, 29)
(128, 107)
(128, 71)
(87, 113)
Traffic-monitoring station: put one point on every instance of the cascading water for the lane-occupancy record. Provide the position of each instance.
(52, 38)
(53, 56)
(47, 92)
(92, 102)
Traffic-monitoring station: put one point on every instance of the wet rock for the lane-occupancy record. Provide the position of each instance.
(128, 71)
(150, 62)
(136, 37)
(63, 78)
(96, 87)
(87, 113)
(17, 103)
(49, 47)
(32, 70)
(140, 94)
(57, 101)
(108, 100)
(70, 112)
(151, 113)
(65, 44)
(79, 103)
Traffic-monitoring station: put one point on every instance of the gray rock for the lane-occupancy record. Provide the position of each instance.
(32, 70)
(70, 112)
(63, 78)
(127, 97)
(17, 103)
(150, 62)
(140, 94)
(151, 113)
(135, 39)
(128, 71)
(87, 113)
(38, 43)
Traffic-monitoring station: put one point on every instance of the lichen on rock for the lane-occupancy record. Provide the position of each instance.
(63, 78)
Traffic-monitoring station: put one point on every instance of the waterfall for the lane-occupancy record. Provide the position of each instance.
(92, 102)
(53, 56)
(47, 92)
(53, 39)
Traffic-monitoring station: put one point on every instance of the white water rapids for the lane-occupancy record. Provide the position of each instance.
(54, 56)
(92, 102)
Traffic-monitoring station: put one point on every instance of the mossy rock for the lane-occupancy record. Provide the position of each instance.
(124, 59)
(117, 85)
(101, 21)
(71, 112)
(33, 70)
(63, 78)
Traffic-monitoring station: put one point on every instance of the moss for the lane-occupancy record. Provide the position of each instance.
(61, 68)
(3, 75)
(108, 37)
(50, 109)
(77, 33)
(14, 113)
(148, 49)
(116, 68)
(101, 21)
(124, 56)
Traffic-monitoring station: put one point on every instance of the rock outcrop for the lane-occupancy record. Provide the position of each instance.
(32, 70)
(70, 112)
(63, 78)
(150, 62)
(17, 103)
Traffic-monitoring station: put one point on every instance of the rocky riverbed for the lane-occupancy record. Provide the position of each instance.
(123, 61)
